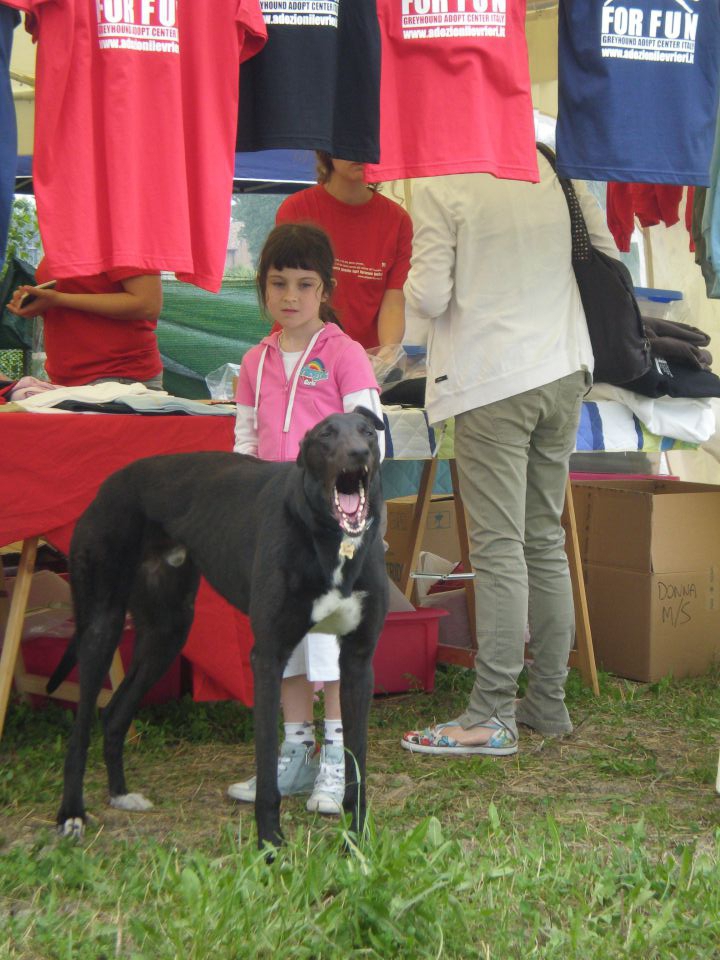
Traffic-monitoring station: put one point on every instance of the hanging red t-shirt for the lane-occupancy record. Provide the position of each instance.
(372, 243)
(135, 131)
(651, 203)
(454, 90)
(82, 347)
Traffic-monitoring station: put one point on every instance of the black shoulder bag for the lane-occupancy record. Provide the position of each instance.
(617, 335)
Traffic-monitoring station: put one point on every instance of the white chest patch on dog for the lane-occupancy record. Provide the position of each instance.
(333, 613)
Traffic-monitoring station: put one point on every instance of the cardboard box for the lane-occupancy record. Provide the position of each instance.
(651, 558)
(49, 606)
(440, 537)
(455, 628)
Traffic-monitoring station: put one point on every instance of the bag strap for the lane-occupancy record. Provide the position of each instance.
(581, 245)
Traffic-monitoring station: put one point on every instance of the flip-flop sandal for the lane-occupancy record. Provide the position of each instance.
(434, 740)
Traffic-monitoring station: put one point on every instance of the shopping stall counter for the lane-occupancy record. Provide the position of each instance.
(56, 461)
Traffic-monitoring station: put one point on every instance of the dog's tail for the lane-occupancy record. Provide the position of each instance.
(69, 659)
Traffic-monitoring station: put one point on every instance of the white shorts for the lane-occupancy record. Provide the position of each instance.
(316, 656)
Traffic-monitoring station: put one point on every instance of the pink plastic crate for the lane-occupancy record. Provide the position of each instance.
(406, 653)
(42, 654)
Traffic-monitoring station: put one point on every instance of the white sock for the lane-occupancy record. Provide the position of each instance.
(333, 733)
(303, 732)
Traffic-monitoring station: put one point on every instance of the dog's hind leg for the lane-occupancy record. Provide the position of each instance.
(104, 554)
(96, 645)
(162, 605)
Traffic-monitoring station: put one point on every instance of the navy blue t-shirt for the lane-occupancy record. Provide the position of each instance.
(8, 130)
(638, 85)
(315, 85)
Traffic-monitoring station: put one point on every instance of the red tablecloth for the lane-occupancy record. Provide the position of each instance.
(53, 464)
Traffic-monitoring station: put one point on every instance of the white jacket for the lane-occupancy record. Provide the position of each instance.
(491, 269)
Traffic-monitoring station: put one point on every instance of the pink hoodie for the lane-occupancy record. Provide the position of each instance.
(332, 366)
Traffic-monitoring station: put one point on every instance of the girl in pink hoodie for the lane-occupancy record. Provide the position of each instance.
(301, 373)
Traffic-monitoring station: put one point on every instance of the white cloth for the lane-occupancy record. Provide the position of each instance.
(681, 418)
(137, 396)
(92, 393)
(491, 268)
(316, 656)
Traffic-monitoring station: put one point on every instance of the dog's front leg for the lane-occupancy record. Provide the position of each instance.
(356, 685)
(267, 673)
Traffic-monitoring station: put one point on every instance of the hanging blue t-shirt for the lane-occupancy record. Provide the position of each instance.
(638, 85)
(711, 223)
(8, 130)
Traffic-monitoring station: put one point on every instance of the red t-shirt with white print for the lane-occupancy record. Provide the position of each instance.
(372, 243)
(135, 131)
(454, 90)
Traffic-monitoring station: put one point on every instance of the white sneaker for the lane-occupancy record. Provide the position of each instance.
(297, 771)
(329, 789)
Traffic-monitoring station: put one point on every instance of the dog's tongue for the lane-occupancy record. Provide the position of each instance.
(350, 503)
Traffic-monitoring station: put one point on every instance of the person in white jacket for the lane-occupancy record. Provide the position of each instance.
(509, 357)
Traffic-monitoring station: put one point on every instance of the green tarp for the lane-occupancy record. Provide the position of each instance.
(199, 332)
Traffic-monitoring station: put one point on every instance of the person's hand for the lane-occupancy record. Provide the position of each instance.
(43, 299)
(389, 353)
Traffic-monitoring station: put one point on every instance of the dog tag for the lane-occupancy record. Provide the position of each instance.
(347, 549)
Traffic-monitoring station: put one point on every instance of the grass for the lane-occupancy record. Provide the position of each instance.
(602, 845)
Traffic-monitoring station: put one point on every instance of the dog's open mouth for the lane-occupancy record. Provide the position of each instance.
(350, 500)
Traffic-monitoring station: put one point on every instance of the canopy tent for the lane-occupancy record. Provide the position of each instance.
(266, 171)
(670, 265)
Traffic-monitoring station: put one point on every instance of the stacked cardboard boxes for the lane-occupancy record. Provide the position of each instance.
(651, 558)
(440, 536)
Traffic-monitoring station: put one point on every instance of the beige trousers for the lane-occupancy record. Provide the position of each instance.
(512, 459)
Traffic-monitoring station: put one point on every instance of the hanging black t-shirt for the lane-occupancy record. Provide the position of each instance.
(316, 83)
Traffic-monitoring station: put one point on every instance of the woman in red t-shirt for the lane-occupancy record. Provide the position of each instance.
(98, 328)
(372, 241)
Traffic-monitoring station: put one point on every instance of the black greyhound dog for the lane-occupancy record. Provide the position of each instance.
(295, 545)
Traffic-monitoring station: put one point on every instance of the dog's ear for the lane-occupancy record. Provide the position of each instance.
(301, 459)
(372, 417)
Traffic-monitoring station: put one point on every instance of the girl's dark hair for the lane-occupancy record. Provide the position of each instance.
(299, 246)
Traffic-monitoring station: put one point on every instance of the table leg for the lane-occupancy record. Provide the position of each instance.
(10, 658)
(583, 655)
(461, 521)
(418, 524)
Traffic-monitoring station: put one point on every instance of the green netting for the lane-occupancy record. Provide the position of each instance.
(14, 363)
(199, 332)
